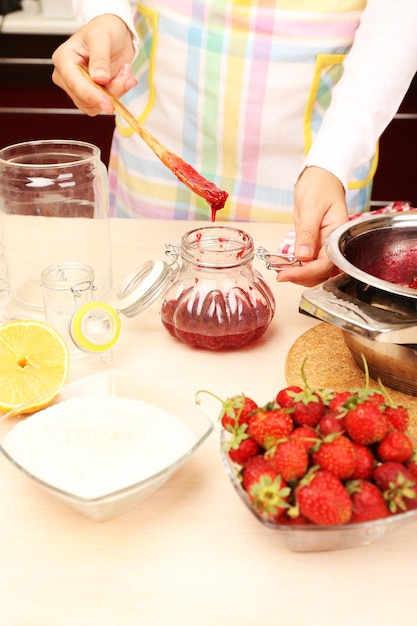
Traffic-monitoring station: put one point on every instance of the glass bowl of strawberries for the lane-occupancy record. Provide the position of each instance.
(324, 470)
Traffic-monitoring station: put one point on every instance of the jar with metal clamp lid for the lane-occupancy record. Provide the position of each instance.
(218, 300)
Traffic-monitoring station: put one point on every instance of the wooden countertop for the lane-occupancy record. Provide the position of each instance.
(191, 554)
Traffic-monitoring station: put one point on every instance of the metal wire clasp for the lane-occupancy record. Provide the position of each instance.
(276, 261)
(172, 250)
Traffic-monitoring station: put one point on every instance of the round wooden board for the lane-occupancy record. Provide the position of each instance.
(330, 365)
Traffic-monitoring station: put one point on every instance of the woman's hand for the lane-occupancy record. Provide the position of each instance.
(104, 45)
(319, 208)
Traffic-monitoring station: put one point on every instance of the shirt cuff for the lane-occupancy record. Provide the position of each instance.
(86, 11)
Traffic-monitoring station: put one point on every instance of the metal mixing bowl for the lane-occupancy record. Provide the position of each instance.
(378, 250)
(370, 299)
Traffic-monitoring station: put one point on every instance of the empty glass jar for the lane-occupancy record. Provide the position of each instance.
(87, 326)
(53, 209)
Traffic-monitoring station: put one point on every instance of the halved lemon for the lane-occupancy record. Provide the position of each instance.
(34, 362)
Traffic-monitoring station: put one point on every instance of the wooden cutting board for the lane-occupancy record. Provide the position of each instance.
(330, 365)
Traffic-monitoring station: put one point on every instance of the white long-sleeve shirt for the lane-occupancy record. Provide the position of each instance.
(377, 73)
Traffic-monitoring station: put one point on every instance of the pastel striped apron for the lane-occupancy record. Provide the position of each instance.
(238, 89)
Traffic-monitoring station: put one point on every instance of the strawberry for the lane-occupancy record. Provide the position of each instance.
(374, 396)
(337, 402)
(256, 467)
(336, 454)
(397, 416)
(307, 435)
(267, 491)
(396, 446)
(269, 424)
(240, 452)
(411, 465)
(285, 397)
(323, 499)
(236, 409)
(270, 497)
(398, 486)
(365, 462)
(299, 520)
(367, 500)
(350, 399)
(289, 459)
(331, 423)
(366, 423)
(308, 408)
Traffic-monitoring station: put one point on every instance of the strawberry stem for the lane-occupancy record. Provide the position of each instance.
(390, 402)
(210, 393)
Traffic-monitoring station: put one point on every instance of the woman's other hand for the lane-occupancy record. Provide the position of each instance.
(319, 208)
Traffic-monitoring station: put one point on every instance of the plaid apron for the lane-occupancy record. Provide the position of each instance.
(238, 89)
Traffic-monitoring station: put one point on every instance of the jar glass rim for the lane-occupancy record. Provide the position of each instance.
(68, 276)
(30, 153)
(217, 246)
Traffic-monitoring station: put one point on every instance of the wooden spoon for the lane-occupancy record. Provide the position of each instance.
(215, 197)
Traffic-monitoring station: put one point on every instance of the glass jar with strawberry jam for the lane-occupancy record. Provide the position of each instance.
(211, 295)
(217, 300)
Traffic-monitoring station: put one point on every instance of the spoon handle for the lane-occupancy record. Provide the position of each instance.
(215, 197)
(155, 145)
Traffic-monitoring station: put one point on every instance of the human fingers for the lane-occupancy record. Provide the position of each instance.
(319, 207)
(68, 77)
(110, 54)
(308, 274)
(121, 82)
(104, 45)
